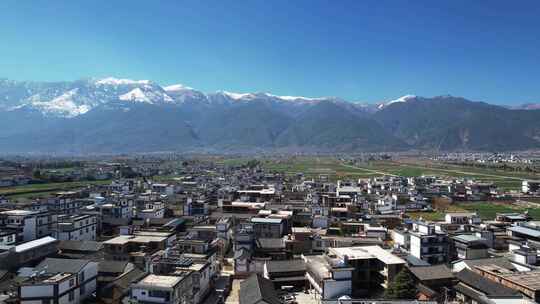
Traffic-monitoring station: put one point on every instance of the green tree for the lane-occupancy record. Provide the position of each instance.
(403, 286)
(36, 174)
(252, 163)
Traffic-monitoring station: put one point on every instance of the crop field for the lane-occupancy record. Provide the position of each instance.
(486, 210)
(335, 169)
(503, 179)
(315, 166)
(43, 190)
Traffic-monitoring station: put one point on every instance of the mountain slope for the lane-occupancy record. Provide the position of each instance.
(121, 115)
(451, 123)
(332, 127)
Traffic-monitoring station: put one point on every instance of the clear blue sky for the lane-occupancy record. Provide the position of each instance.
(359, 50)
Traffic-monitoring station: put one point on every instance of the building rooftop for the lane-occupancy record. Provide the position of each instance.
(162, 281)
(34, 244)
(266, 220)
(466, 238)
(19, 212)
(428, 273)
(367, 252)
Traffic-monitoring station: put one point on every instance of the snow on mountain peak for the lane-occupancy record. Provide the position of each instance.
(62, 105)
(237, 96)
(145, 95)
(135, 95)
(402, 99)
(119, 81)
(177, 88)
(295, 98)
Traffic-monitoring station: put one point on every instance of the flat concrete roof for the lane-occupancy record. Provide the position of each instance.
(162, 281)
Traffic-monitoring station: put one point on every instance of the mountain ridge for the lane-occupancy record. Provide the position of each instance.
(123, 115)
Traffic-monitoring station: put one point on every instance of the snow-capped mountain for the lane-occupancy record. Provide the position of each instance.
(122, 115)
(402, 99)
(71, 99)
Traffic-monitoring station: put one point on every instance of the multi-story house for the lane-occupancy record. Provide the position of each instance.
(427, 244)
(64, 204)
(8, 237)
(60, 281)
(76, 228)
(29, 225)
(151, 210)
(268, 227)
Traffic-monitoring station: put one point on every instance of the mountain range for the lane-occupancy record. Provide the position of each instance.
(121, 115)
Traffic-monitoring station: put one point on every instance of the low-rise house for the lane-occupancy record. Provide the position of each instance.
(468, 246)
(474, 288)
(60, 281)
(286, 273)
(162, 289)
(525, 230)
(433, 281)
(88, 250)
(258, 290)
(28, 252)
(462, 218)
(366, 268)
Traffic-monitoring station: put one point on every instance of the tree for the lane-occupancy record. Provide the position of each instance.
(252, 163)
(37, 174)
(403, 286)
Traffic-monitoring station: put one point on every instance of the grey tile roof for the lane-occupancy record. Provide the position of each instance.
(486, 286)
(501, 262)
(286, 266)
(53, 265)
(112, 266)
(427, 273)
(256, 288)
(80, 245)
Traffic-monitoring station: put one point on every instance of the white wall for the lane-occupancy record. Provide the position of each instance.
(416, 246)
(37, 291)
(336, 289)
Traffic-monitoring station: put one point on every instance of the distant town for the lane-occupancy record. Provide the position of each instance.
(206, 229)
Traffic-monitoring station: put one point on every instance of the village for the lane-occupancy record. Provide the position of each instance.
(203, 231)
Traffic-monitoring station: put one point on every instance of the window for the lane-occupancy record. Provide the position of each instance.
(71, 295)
(82, 277)
(83, 289)
(71, 282)
(46, 301)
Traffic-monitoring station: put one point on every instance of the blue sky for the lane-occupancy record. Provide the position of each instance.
(359, 50)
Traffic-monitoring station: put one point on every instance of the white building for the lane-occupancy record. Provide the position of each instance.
(152, 210)
(76, 228)
(8, 237)
(462, 218)
(59, 281)
(162, 289)
(427, 244)
(24, 221)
